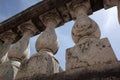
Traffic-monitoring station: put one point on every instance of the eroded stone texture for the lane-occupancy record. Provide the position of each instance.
(89, 49)
(83, 6)
(110, 71)
(44, 62)
(6, 71)
(84, 26)
(20, 50)
(88, 52)
(48, 39)
(6, 40)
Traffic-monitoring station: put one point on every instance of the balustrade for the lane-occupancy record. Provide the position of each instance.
(44, 61)
(6, 68)
(89, 49)
(21, 50)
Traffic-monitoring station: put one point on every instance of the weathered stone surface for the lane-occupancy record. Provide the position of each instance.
(41, 8)
(110, 71)
(88, 52)
(78, 6)
(6, 40)
(64, 13)
(21, 48)
(84, 26)
(6, 71)
(44, 62)
(84, 37)
(41, 63)
(48, 39)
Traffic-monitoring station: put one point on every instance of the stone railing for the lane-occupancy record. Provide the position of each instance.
(35, 11)
(88, 52)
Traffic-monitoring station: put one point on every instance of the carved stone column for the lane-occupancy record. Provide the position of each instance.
(111, 3)
(6, 69)
(6, 40)
(89, 49)
(44, 62)
(21, 50)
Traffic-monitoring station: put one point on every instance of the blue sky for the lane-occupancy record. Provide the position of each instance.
(106, 19)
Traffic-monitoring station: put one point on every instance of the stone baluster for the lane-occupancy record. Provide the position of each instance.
(111, 3)
(47, 44)
(89, 49)
(6, 69)
(84, 26)
(6, 39)
(21, 50)
(44, 62)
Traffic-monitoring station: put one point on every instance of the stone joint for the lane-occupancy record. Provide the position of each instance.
(81, 4)
(51, 16)
(28, 26)
(8, 36)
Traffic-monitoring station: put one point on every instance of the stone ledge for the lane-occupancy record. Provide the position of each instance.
(41, 8)
(109, 71)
